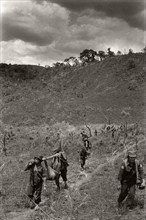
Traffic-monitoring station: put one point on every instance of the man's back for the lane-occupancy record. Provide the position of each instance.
(83, 152)
(63, 158)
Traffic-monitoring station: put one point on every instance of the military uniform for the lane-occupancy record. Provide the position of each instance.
(86, 141)
(64, 163)
(83, 156)
(130, 175)
(37, 173)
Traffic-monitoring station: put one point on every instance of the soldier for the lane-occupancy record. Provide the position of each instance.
(64, 163)
(113, 132)
(85, 140)
(83, 156)
(130, 175)
(84, 135)
(37, 178)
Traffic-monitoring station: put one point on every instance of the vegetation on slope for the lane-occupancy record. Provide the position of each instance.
(92, 194)
(33, 98)
(99, 90)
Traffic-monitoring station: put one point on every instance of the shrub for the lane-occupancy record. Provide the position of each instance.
(132, 85)
(131, 64)
(18, 72)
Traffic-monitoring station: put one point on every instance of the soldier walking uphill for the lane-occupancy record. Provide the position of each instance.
(85, 140)
(130, 175)
(84, 153)
(37, 178)
(83, 157)
(64, 163)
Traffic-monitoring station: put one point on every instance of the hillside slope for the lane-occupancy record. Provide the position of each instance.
(100, 90)
(92, 194)
(32, 98)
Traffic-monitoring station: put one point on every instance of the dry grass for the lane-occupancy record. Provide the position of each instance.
(99, 92)
(92, 194)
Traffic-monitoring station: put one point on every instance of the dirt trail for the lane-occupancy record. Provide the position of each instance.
(86, 177)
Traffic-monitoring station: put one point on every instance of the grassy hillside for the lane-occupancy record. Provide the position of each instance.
(101, 91)
(38, 102)
(91, 195)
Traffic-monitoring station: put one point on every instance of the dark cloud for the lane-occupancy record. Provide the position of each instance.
(128, 10)
(27, 34)
(33, 23)
(45, 32)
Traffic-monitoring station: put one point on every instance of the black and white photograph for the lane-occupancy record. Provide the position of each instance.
(72, 110)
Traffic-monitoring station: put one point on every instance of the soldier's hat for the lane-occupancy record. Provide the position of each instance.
(132, 153)
(39, 158)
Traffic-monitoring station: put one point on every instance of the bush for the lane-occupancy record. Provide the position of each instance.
(3, 65)
(132, 85)
(18, 72)
(131, 64)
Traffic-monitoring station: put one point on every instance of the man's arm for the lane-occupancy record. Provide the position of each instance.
(121, 171)
(140, 171)
(44, 177)
(29, 165)
(45, 182)
(141, 179)
(50, 157)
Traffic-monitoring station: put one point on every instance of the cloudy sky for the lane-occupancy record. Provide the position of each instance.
(46, 31)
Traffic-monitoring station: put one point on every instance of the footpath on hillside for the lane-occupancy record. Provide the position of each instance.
(76, 180)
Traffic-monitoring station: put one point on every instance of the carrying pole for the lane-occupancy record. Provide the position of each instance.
(52, 156)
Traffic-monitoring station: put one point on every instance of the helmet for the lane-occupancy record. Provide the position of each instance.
(39, 158)
(132, 153)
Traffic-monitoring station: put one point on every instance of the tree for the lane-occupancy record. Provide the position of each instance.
(71, 61)
(130, 51)
(131, 64)
(144, 49)
(110, 53)
(58, 64)
(47, 66)
(119, 53)
(88, 55)
(101, 54)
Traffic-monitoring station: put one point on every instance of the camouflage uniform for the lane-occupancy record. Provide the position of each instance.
(129, 175)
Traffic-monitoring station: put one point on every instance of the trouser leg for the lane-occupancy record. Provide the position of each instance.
(57, 182)
(38, 191)
(64, 174)
(30, 194)
(82, 162)
(131, 196)
(123, 193)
